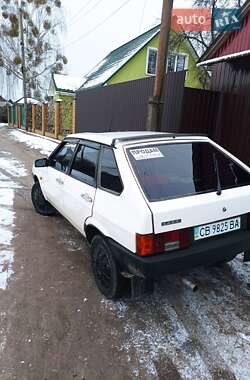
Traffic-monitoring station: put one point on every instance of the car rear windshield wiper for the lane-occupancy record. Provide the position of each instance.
(216, 168)
(231, 166)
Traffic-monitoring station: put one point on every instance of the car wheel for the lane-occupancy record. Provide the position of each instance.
(106, 272)
(40, 204)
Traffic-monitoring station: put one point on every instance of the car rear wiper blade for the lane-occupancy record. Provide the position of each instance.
(216, 168)
(231, 166)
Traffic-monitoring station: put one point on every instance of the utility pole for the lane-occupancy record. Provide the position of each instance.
(23, 65)
(155, 106)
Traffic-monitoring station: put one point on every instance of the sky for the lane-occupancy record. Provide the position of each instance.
(96, 27)
(93, 28)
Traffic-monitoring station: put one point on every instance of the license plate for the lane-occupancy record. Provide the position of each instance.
(217, 228)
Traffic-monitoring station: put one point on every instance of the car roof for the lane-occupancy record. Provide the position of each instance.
(114, 138)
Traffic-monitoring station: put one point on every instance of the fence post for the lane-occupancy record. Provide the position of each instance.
(44, 118)
(12, 116)
(15, 116)
(8, 115)
(57, 119)
(74, 116)
(33, 118)
(19, 120)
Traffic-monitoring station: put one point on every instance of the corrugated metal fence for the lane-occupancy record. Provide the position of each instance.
(222, 116)
(124, 106)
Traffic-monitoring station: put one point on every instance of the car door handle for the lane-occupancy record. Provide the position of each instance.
(87, 198)
(60, 181)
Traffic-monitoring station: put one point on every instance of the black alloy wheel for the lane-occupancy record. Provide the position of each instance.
(105, 269)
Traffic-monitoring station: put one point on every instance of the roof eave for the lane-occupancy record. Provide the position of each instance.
(142, 47)
(225, 58)
(64, 91)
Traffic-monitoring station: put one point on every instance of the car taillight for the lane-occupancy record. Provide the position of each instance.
(148, 245)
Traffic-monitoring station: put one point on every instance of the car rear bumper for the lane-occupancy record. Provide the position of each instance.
(206, 252)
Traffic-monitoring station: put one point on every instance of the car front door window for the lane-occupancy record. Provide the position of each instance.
(62, 159)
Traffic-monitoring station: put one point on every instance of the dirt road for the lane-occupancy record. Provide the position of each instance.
(55, 325)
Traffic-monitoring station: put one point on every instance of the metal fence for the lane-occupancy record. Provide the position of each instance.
(124, 106)
(223, 116)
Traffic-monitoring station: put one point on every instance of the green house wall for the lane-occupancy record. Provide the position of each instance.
(66, 107)
(66, 111)
(136, 67)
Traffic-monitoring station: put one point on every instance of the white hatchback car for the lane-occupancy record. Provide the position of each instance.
(148, 203)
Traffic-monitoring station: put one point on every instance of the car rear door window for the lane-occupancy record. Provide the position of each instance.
(85, 165)
(180, 169)
(63, 157)
(109, 174)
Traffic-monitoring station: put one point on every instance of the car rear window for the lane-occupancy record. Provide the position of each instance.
(181, 169)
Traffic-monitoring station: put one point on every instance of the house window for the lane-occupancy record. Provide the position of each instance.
(180, 62)
(171, 62)
(151, 61)
(176, 61)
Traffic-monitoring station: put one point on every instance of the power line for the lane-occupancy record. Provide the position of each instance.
(98, 25)
(86, 13)
(143, 13)
(81, 10)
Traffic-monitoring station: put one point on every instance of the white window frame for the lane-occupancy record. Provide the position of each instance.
(175, 64)
(175, 67)
(186, 60)
(148, 52)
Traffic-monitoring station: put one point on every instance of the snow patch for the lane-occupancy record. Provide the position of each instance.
(6, 261)
(119, 308)
(6, 217)
(194, 335)
(3, 177)
(6, 236)
(68, 82)
(6, 197)
(13, 167)
(3, 338)
(44, 145)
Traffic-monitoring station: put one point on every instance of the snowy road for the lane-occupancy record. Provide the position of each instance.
(55, 325)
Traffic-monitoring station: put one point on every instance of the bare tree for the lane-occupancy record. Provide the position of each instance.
(202, 39)
(205, 38)
(42, 22)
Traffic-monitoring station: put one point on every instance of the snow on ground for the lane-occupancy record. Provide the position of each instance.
(203, 335)
(10, 169)
(44, 145)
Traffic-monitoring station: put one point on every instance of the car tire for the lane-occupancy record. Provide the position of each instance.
(40, 204)
(105, 269)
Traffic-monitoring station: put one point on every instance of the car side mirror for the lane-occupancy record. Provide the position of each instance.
(42, 163)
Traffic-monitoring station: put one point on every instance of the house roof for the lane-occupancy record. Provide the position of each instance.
(29, 101)
(115, 60)
(210, 54)
(67, 83)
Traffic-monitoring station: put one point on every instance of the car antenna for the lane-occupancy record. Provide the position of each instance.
(216, 168)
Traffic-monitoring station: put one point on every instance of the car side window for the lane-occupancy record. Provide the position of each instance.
(62, 159)
(85, 165)
(109, 174)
